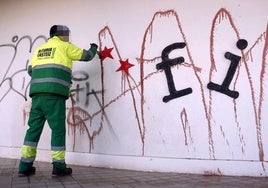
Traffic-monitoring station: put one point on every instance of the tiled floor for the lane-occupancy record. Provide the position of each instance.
(110, 178)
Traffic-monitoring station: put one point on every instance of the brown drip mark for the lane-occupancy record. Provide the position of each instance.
(186, 128)
(224, 14)
(191, 64)
(125, 79)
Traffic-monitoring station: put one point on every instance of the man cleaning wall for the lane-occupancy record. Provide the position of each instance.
(51, 72)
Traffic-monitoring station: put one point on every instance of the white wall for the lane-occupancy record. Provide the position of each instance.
(204, 132)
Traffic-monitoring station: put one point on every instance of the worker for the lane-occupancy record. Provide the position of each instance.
(51, 72)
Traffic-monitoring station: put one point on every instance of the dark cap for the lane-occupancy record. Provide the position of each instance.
(59, 30)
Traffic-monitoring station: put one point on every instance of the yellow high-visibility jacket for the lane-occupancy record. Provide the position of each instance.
(51, 67)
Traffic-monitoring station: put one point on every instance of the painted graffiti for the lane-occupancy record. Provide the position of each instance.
(235, 66)
(224, 87)
(166, 65)
(134, 88)
(10, 74)
(78, 118)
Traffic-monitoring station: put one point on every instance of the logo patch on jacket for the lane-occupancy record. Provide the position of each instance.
(46, 53)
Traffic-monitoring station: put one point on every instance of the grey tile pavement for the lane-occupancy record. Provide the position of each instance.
(84, 176)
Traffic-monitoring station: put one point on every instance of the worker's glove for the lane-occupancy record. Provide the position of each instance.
(91, 52)
(93, 46)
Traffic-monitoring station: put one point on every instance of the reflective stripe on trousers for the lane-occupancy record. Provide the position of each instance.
(28, 152)
(58, 154)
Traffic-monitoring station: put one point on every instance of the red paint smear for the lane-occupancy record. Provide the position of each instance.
(263, 72)
(220, 15)
(211, 173)
(125, 66)
(192, 65)
(124, 79)
(186, 127)
(106, 53)
(224, 14)
(76, 119)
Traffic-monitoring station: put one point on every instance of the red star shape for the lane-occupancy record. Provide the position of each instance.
(125, 65)
(106, 53)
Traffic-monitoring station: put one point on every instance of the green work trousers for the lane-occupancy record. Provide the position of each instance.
(50, 108)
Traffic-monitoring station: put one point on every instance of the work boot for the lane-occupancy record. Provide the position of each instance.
(57, 172)
(28, 172)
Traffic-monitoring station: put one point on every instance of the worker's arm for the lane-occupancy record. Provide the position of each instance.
(90, 53)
